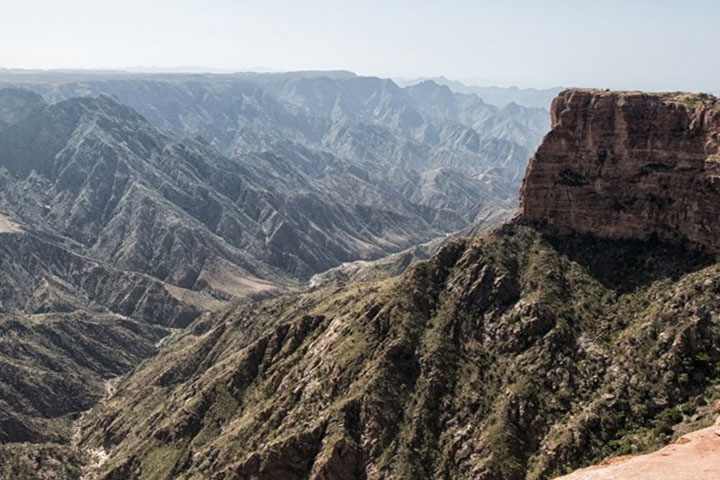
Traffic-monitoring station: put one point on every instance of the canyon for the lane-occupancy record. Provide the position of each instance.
(584, 331)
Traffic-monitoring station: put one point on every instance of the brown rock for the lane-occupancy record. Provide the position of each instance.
(629, 165)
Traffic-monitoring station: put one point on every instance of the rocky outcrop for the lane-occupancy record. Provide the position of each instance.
(629, 165)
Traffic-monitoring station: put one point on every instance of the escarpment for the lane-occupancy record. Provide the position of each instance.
(629, 165)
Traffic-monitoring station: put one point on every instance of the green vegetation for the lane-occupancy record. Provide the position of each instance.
(694, 100)
(46, 461)
(528, 354)
(159, 463)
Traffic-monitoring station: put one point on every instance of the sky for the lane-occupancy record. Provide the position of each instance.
(619, 44)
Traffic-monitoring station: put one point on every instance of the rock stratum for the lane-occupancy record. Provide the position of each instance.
(629, 165)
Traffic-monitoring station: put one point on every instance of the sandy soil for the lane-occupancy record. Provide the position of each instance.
(695, 456)
(8, 226)
(228, 278)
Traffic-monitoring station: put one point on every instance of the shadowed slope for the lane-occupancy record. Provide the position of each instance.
(487, 361)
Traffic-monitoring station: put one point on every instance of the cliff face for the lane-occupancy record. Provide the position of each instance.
(629, 165)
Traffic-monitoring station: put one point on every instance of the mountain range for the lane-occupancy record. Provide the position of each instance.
(284, 175)
(498, 96)
(196, 278)
(132, 205)
(550, 344)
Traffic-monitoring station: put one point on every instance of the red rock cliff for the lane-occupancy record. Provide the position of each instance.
(629, 165)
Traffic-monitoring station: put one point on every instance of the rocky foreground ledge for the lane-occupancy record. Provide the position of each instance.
(695, 456)
(629, 165)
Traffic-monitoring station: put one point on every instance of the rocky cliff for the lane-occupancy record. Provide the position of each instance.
(629, 165)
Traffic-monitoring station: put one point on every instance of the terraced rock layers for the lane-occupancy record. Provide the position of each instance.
(629, 165)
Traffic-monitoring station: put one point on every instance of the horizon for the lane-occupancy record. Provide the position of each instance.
(189, 70)
(571, 44)
(400, 81)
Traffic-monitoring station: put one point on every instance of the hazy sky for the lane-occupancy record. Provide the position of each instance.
(649, 44)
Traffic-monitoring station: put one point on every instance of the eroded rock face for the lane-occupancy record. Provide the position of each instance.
(629, 165)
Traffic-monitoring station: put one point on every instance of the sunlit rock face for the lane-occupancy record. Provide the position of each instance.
(629, 165)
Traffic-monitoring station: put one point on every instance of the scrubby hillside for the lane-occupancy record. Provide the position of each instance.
(513, 356)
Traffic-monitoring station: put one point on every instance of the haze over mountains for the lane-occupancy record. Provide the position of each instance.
(179, 298)
(135, 203)
(423, 160)
(498, 96)
(550, 344)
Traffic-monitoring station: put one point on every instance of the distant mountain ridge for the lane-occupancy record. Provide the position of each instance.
(362, 119)
(498, 96)
(247, 112)
(134, 205)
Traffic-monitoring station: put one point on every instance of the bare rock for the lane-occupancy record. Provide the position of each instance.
(629, 165)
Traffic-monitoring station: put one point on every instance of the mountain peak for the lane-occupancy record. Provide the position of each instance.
(431, 87)
(33, 141)
(16, 104)
(629, 165)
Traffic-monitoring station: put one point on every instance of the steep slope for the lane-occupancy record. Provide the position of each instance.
(403, 131)
(56, 365)
(47, 461)
(95, 172)
(518, 355)
(69, 323)
(39, 276)
(486, 362)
